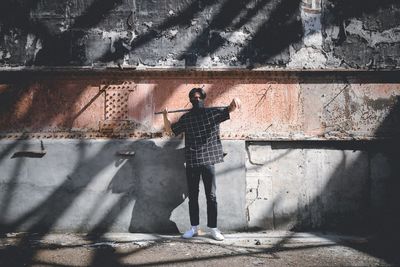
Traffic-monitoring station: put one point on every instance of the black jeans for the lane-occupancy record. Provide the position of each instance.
(207, 173)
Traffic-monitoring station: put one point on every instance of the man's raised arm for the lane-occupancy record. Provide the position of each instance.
(167, 123)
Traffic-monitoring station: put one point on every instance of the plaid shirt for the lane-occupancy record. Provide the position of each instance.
(202, 142)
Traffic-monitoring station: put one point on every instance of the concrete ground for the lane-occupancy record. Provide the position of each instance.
(277, 248)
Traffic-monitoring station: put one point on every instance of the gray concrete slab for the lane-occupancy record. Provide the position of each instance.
(87, 186)
(316, 185)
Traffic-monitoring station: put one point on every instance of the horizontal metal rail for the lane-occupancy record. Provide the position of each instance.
(185, 110)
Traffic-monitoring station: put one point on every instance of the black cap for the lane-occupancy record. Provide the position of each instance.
(197, 90)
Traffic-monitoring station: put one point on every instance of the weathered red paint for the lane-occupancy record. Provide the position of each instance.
(273, 107)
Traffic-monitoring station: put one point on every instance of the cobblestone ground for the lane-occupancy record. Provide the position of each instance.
(239, 249)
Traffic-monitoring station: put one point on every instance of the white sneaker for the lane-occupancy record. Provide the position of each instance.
(216, 234)
(191, 232)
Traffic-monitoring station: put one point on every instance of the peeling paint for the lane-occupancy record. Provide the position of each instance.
(148, 24)
(373, 38)
(311, 55)
(214, 34)
(30, 38)
(115, 36)
(236, 37)
(274, 108)
(380, 103)
(307, 57)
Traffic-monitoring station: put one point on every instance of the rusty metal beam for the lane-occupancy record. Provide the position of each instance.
(277, 105)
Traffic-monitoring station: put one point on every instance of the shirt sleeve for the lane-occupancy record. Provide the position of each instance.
(222, 115)
(178, 127)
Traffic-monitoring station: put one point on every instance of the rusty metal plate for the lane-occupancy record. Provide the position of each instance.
(116, 104)
(116, 98)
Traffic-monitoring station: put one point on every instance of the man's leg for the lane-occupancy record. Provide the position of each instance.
(193, 179)
(208, 175)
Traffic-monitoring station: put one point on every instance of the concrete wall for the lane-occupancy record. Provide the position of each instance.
(87, 186)
(84, 77)
(318, 185)
(321, 148)
(310, 34)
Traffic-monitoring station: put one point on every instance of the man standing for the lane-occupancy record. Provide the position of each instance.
(203, 149)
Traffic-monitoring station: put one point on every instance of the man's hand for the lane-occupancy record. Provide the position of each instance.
(235, 104)
(165, 112)
(167, 123)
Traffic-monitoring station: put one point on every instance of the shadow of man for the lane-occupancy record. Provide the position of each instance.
(156, 179)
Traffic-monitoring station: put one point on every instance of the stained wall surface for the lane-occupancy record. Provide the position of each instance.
(284, 106)
(94, 186)
(290, 34)
(315, 145)
(315, 151)
(340, 186)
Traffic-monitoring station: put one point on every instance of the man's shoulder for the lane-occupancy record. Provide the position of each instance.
(207, 112)
(213, 111)
(185, 116)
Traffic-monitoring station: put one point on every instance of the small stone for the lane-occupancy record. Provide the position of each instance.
(258, 242)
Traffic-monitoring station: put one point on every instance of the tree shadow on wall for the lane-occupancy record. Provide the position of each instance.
(350, 188)
(156, 175)
(154, 178)
(356, 48)
(101, 190)
(370, 199)
(67, 47)
(269, 42)
(57, 47)
(33, 106)
(337, 11)
(386, 216)
(233, 15)
(151, 191)
(273, 38)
